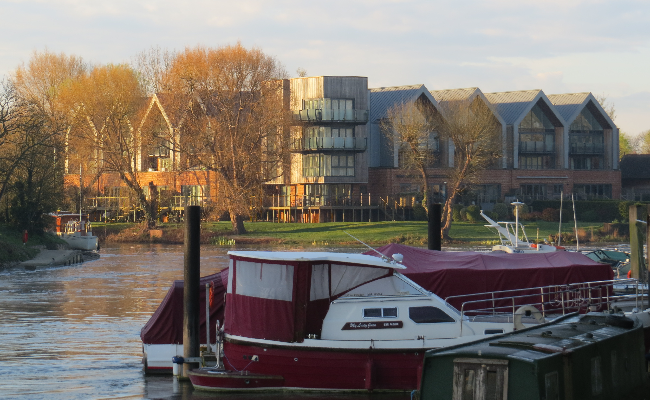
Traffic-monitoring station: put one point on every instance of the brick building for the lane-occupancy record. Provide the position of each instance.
(343, 167)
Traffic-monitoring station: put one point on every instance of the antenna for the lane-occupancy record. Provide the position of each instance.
(383, 257)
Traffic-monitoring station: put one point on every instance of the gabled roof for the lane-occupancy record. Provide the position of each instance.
(569, 105)
(442, 96)
(635, 166)
(455, 94)
(513, 106)
(382, 99)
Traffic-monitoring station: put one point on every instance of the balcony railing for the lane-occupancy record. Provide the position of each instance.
(318, 144)
(331, 115)
(536, 147)
(587, 148)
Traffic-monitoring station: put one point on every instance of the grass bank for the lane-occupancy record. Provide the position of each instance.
(333, 233)
(13, 250)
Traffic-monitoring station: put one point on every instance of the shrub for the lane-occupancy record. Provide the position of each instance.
(455, 216)
(463, 214)
(501, 210)
(551, 215)
(419, 213)
(473, 214)
(530, 216)
(589, 216)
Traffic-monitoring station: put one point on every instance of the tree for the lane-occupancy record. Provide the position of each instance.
(107, 102)
(476, 135)
(412, 125)
(607, 105)
(30, 183)
(233, 121)
(627, 144)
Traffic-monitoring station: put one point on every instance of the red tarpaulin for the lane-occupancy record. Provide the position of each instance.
(166, 324)
(447, 273)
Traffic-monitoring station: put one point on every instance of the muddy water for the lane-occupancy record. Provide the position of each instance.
(73, 332)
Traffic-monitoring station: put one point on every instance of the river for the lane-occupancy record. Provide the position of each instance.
(73, 332)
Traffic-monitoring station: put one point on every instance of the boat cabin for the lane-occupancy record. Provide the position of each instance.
(293, 296)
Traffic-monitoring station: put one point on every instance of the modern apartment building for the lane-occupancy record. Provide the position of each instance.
(343, 166)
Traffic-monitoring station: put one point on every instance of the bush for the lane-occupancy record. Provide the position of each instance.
(530, 216)
(419, 213)
(501, 211)
(455, 215)
(463, 214)
(589, 216)
(473, 214)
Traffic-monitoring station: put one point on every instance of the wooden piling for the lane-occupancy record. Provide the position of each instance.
(192, 277)
(434, 233)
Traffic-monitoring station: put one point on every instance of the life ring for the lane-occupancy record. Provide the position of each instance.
(629, 274)
(527, 311)
(533, 245)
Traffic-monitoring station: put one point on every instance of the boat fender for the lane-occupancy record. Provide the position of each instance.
(533, 245)
(619, 321)
(527, 311)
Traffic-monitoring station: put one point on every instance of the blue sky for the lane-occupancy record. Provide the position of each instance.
(558, 46)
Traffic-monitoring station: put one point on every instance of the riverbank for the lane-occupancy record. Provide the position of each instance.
(13, 250)
(412, 233)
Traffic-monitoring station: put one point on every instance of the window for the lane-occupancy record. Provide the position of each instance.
(596, 191)
(480, 379)
(532, 191)
(596, 377)
(380, 312)
(536, 162)
(552, 386)
(586, 136)
(328, 165)
(428, 315)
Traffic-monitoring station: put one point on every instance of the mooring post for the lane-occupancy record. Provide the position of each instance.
(434, 233)
(192, 278)
(636, 246)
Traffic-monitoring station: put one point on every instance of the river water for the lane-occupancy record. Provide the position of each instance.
(73, 332)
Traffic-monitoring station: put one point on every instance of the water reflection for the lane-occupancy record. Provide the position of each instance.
(73, 332)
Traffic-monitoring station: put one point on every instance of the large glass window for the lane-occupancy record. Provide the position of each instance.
(586, 141)
(328, 194)
(328, 164)
(532, 192)
(594, 191)
(536, 137)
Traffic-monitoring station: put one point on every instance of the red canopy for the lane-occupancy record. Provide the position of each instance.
(166, 324)
(447, 273)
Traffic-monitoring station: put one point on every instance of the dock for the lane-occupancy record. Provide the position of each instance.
(51, 258)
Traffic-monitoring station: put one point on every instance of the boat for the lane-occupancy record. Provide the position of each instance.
(450, 275)
(590, 356)
(512, 236)
(75, 229)
(353, 322)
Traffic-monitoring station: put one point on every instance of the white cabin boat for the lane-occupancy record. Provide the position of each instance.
(79, 235)
(512, 236)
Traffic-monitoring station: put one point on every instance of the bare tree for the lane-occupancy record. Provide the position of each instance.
(152, 65)
(607, 105)
(233, 124)
(108, 103)
(413, 126)
(476, 134)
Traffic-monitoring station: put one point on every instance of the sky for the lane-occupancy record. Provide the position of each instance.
(559, 46)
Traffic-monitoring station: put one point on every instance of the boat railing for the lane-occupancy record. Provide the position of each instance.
(548, 300)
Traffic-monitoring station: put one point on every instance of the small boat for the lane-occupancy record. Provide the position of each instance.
(348, 322)
(75, 229)
(590, 356)
(513, 236)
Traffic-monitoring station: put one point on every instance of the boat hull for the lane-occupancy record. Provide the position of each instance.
(86, 243)
(323, 369)
(234, 381)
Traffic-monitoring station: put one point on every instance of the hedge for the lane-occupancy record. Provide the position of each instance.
(590, 210)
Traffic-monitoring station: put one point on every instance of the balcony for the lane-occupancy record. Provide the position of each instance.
(587, 148)
(331, 115)
(536, 147)
(320, 144)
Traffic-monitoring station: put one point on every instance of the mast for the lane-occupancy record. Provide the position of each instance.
(80, 192)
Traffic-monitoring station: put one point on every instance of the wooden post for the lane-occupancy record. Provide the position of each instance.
(636, 248)
(192, 278)
(435, 216)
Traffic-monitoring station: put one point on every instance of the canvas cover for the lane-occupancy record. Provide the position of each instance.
(443, 273)
(447, 273)
(166, 324)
